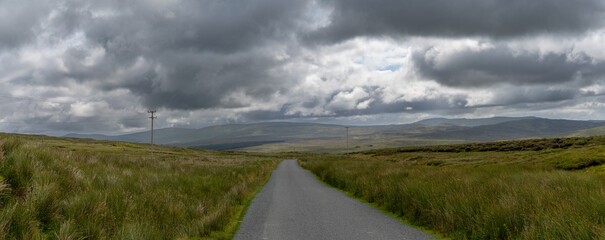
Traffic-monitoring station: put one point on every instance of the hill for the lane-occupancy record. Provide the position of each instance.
(234, 136)
(598, 131)
(91, 136)
(418, 134)
(465, 122)
(286, 136)
(164, 136)
(237, 136)
(519, 129)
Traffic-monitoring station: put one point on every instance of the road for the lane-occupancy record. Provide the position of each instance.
(295, 205)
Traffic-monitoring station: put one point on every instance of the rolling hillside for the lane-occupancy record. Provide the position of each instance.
(442, 134)
(233, 136)
(465, 122)
(598, 131)
(285, 136)
(519, 129)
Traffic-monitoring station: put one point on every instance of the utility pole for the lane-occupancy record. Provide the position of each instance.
(347, 137)
(152, 117)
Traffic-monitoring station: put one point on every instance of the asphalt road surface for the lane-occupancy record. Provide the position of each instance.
(295, 205)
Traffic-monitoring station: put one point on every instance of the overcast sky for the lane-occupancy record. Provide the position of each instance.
(98, 66)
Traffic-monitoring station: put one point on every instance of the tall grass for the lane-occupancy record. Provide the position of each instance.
(69, 189)
(480, 201)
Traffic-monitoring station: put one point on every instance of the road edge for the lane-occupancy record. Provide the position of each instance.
(431, 232)
(231, 229)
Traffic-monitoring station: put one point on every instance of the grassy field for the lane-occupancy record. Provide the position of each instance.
(63, 188)
(587, 132)
(84, 189)
(338, 145)
(530, 189)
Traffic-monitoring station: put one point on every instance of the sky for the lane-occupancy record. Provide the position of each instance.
(99, 66)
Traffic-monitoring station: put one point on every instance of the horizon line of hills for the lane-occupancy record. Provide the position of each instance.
(437, 130)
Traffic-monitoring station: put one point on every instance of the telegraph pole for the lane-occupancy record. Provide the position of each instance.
(152, 117)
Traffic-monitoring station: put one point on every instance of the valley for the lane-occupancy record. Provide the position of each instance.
(311, 137)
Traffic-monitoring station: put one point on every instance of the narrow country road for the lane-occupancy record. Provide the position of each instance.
(295, 205)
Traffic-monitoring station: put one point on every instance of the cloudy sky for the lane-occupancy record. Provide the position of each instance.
(98, 66)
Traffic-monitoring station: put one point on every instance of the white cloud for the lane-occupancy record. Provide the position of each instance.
(364, 104)
(347, 99)
(87, 109)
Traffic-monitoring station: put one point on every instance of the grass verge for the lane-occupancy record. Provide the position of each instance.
(85, 189)
(232, 227)
(481, 194)
(438, 235)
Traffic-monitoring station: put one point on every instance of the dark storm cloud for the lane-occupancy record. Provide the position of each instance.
(536, 94)
(203, 80)
(225, 57)
(456, 18)
(19, 21)
(210, 25)
(189, 55)
(503, 65)
(593, 101)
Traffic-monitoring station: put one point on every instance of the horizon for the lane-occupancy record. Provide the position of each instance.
(98, 67)
(318, 123)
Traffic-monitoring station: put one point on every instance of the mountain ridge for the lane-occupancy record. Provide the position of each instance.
(471, 122)
(239, 136)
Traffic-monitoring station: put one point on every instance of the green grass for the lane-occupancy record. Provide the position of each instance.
(587, 132)
(554, 191)
(85, 189)
(501, 146)
(338, 144)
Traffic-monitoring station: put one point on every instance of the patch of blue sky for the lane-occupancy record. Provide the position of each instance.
(392, 67)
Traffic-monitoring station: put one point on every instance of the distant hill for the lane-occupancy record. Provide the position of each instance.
(418, 134)
(164, 136)
(244, 135)
(527, 128)
(92, 136)
(437, 130)
(420, 130)
(598, 131)
(233, 136)
(465, 122)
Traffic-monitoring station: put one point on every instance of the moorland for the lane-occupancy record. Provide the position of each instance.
(73, 188)
(529, 189)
